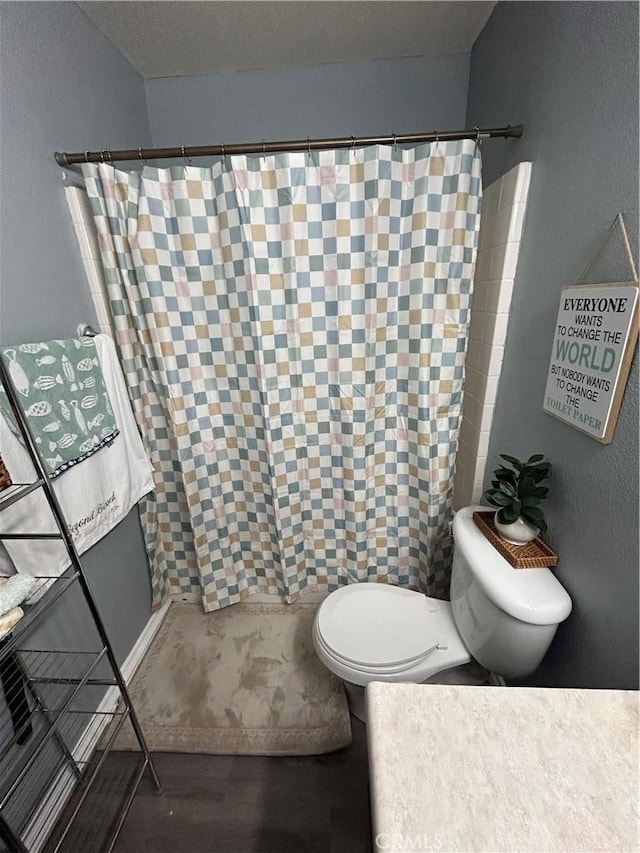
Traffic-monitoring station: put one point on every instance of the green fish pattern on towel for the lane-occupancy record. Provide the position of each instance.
(65, 401)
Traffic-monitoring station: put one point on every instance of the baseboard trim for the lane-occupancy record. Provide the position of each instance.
(143, 642)
(64, 784)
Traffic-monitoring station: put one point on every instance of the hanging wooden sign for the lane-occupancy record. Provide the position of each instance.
(593, 345)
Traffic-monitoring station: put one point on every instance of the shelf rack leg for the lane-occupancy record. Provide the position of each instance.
(8, 837)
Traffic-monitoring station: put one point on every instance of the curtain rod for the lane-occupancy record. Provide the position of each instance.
(107, 156)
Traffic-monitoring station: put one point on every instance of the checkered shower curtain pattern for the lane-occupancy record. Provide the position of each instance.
(293, 331)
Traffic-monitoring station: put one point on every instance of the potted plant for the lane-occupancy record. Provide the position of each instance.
(517, 493)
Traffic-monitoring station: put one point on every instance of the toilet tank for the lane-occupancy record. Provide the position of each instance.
(507, 617)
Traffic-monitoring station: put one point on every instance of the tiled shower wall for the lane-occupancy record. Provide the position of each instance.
(503, 211)
(499, 243)
(83, 225)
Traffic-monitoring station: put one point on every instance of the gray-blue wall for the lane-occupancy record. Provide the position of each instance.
(359, 98)
(64, 87)
(569, 72)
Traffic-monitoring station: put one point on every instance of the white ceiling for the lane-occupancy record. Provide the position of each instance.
(169, 39)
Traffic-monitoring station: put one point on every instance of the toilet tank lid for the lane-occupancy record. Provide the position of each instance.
(531, 595)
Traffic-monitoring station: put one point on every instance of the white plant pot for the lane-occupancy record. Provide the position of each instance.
(518, 533)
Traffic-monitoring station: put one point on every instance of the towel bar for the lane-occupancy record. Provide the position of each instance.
(86, 331)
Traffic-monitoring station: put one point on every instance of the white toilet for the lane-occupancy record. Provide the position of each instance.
(500, 620)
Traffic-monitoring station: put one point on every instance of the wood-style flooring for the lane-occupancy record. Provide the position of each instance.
(242, 804)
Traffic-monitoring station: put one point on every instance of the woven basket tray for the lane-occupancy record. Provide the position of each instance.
(5, 479)
(533, 555)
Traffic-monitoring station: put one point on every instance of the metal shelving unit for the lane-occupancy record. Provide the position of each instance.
(53, 697)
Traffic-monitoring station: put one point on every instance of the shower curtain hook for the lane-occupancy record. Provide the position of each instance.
(187, 160)
(478, 140)
(263, 148)
(142, 160)
(395, 141)
(102, 155)
(309, 146)
(222, 146)
(86, 156)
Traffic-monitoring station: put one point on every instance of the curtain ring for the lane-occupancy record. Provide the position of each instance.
(187, 160)
(141, 158)
(477, 130)
(263, 148)
(395, 141)
(309, 146)
(222, 146)
(86, 156)
(102, 150)
(437, 136)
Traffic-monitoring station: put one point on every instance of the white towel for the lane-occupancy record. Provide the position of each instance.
(94, 495)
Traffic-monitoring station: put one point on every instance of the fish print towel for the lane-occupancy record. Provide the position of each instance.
(64, 398)
(95, 496)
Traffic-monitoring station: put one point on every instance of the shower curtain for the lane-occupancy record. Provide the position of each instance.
(293, 331)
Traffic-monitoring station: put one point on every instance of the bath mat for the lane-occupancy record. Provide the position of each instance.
(244, 680)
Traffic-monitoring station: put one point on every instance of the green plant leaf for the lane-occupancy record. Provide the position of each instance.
(534, 515)
(540, 474)
(537, 457)
(508, 515)
(530, 501)
(537, 520)
(508, 488)
(517, 464)
(530, 470)
(488, 496)
(541, 491)
(498, 498)
(526, 487)
(503, 473)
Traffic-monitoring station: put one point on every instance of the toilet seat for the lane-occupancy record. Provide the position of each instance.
(377, 628)
(420, 641)
(374, 672)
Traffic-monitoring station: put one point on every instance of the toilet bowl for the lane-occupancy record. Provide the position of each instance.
(500, 620)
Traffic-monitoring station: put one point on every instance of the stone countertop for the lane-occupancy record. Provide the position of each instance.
(502, 768)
